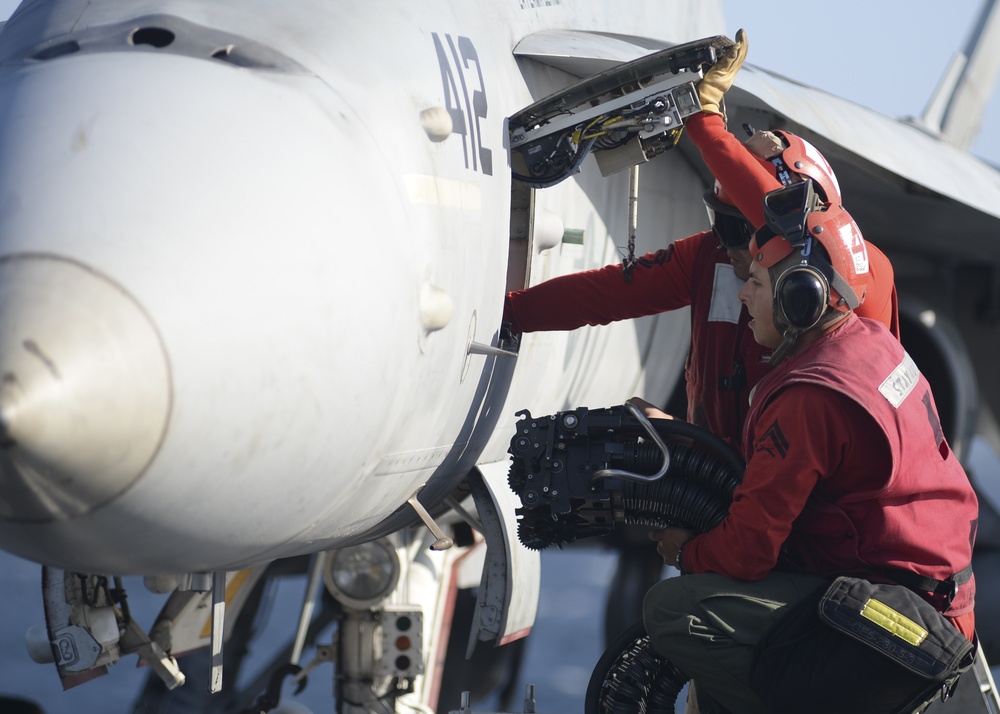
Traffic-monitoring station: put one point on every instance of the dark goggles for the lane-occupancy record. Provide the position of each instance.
(734, 233)
(786, 210)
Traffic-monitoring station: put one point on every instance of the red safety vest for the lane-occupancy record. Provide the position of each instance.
(923, 517)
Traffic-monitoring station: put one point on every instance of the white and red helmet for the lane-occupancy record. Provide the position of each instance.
(793, 159)
(807, 283)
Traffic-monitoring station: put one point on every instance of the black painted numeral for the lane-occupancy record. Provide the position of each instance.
(456, 63)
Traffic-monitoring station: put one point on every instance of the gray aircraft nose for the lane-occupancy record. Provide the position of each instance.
(84, 389)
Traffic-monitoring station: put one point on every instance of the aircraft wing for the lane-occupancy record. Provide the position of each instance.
(906, 188)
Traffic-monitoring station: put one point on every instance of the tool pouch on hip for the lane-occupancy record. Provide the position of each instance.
(860, 646)
(900, 624)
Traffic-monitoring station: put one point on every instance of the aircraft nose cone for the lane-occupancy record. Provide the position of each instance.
(84, 389)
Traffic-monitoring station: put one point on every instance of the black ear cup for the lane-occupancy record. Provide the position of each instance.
(801, 294)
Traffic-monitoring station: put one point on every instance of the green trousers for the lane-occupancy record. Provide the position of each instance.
(709, 625)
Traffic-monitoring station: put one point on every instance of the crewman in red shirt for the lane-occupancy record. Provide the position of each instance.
(706, 270)
(848, 474)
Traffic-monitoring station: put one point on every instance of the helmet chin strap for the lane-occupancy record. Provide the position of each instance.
(790, 335)
(788, 340)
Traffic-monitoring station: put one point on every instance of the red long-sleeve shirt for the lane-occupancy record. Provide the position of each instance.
(724, 360)
(840, 480)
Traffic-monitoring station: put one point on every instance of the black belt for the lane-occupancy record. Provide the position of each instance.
(945, 588)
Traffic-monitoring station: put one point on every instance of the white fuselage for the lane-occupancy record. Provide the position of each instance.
(238, 292)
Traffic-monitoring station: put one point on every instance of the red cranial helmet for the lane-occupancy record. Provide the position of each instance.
(793, 159)
(815, 256)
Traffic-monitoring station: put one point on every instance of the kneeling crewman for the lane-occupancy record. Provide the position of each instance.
(848, 474)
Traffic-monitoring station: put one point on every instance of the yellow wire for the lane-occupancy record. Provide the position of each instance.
(582, 134)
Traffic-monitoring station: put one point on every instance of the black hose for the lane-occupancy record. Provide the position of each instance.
(631, 677)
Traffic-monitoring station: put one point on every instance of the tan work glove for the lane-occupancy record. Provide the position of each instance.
(719, 78)
(765, 144)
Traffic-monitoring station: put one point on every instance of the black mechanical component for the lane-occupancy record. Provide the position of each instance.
(624, 78)
(632, 678)
(579, 473)
(645, 101)
(553, 159)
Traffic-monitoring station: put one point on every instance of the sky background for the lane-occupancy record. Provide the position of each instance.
(887, 55)
(883, 54)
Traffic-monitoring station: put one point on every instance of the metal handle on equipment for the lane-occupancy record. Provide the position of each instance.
(628, 475)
